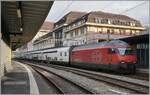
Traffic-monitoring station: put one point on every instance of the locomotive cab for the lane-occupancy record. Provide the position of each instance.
(127, 55)
(123, 58)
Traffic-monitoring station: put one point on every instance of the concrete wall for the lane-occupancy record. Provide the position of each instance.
(5, 58)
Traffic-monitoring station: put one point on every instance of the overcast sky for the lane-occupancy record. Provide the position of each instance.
(141, 12)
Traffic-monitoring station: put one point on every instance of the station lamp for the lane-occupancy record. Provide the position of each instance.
(21, 29)
(19, 13)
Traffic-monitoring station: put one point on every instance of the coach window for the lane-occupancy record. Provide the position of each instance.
(65, 53)
(49, 58)
(60, 53)
(55, 58)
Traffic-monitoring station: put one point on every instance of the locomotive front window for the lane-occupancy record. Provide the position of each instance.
(126, 51)
(112, 50)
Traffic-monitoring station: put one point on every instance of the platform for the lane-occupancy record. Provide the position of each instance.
(24, 80)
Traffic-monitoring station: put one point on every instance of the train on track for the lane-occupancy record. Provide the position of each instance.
(108, 55)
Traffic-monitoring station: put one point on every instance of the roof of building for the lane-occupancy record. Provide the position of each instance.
(71, 16)
(110, 15)
(99, 14)
(47, 25)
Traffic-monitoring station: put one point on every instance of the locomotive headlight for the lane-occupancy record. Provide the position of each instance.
(122, 62)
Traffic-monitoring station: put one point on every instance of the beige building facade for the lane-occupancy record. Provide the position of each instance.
(46, 41)
(95, 27)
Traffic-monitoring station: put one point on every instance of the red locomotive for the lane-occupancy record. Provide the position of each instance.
(112, 55)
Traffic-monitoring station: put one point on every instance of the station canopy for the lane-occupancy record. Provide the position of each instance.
(21, 20)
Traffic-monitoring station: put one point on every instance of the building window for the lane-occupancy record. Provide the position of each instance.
(104, 30)
(133, 32)
(116, 31)
(137, 32)
(128, 23)
(109, 21)
(122, 31)
(128, 32)
(104, 21)
(108, 31)
(71, 34)
(65, 35)
(85, 30)
(82, 30)
(76, 32)
(112, 31)
(97, 20)
(132, 23)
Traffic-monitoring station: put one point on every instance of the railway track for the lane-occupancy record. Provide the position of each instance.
(45, 76)
(62, 84)
(141, 88)
(139, 76)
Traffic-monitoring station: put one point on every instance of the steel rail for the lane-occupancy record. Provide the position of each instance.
(49, 80)
(36, 68)
(142, 89)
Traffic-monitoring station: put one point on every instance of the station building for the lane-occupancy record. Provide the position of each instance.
(98, 26)
(60, 24)
(45, 41)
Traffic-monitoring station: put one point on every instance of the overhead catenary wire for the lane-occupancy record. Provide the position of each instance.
(67, 7)
(132, 8)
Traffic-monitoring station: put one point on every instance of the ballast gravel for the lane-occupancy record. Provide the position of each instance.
(93, 85)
